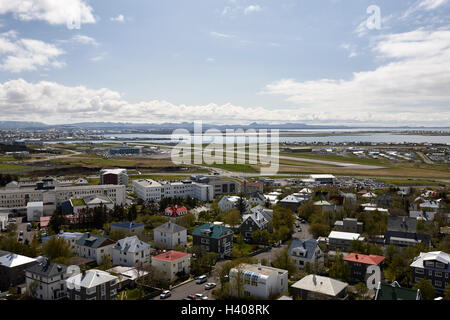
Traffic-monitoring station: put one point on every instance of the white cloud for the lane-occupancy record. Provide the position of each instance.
(55, 12)
(221, 35)
(210, 60)
(252, 8)
(421, 5)
(412, 82)
(119, 18)
(19, 55)
(85, 40)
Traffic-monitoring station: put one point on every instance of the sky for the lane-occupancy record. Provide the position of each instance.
(328, 62)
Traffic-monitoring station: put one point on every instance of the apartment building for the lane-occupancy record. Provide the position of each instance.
(172, 263)
(150, 190)
(214, 238)
(131, 252)
(169, 234)
(92, 285)
(433, 266)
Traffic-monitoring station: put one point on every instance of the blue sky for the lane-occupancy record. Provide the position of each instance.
(225, 61)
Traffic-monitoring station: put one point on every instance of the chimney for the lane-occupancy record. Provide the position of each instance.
(356, 256)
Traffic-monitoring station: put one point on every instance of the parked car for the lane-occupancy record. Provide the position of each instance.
(299, 229)
(191, 297)
(21, 238)
(21, 233)
(165, 294)
(29, 227)
(200, 296)
(210, 285)
(201, 279)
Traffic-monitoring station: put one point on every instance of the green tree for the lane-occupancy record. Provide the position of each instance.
(426, 289)
(261, 236)
(361, 290)
(284, 261)
(233, 217)
(319, 230)
(241, 205)
(340, 269)
(447, 292)
(57, 248)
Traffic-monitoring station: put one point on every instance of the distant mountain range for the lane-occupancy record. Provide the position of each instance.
(185, 125)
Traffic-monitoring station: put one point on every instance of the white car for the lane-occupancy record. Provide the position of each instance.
(201, 296)
(165, 294)
(210, 285)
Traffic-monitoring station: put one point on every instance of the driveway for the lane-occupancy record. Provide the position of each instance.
(22, 226)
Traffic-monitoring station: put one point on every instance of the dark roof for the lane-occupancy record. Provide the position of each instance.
(3, 253)
(170, 227)
(424, 238)
(215, 231)
(94, 241)
(309, 245)
(127, 225)
(395, 292)
(47, 269)
(404, 224)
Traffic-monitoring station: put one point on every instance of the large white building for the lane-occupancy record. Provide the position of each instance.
(258, 281)
(151, 190)
(52, 193)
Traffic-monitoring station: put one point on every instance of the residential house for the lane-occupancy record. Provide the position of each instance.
(77, 205)
(257, 198)
(402, 231)
(175, 212)
(314, 287)
(172, 263)
(292, 202)
(70, 237)
(306, 251)
(394, 291)
(131, 252)
(214, 238)
(12, 269)
(169, 234)
(325, 205)
(433, 266)
(348, 225)
(92, 285)
(46, 280)
(258, 281)
(128, 227)
(253, 221)
(341, 240)
(359, 263)
(228, 203)
(94, 247)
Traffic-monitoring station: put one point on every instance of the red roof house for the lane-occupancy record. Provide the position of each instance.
(175, 212)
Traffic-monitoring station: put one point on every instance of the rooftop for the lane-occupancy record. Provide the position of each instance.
(343, 235)
(365, 259)
(12, 260)
(171, 255)
(319, 284)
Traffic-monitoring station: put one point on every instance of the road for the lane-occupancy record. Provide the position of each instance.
(189, 288)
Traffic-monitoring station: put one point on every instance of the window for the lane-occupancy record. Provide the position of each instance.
(419, 271)
(438, 274)
(438, 283)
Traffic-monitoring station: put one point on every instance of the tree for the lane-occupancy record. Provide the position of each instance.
(237, 283)
(233, 218)
(241, 204)
(361, 289)
(57, 248)
(284, 261)
(56, 221)
(447, 292)
(340, 269)
(319, 230)
(261, 236)
(106, 262)
(117, 234)
(426, 289)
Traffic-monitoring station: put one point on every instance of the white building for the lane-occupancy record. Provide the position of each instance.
(342, 240)
(94, 247)
(35, 210)
(169, 234)
(131, 252)
(53, 194)
(70, 237)
(172, 263)
(150, 190)
(306, 251)
(258, 281)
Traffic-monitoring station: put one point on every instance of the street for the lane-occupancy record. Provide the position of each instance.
(189, 288)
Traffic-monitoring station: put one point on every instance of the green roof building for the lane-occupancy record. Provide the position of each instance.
(395, 292)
